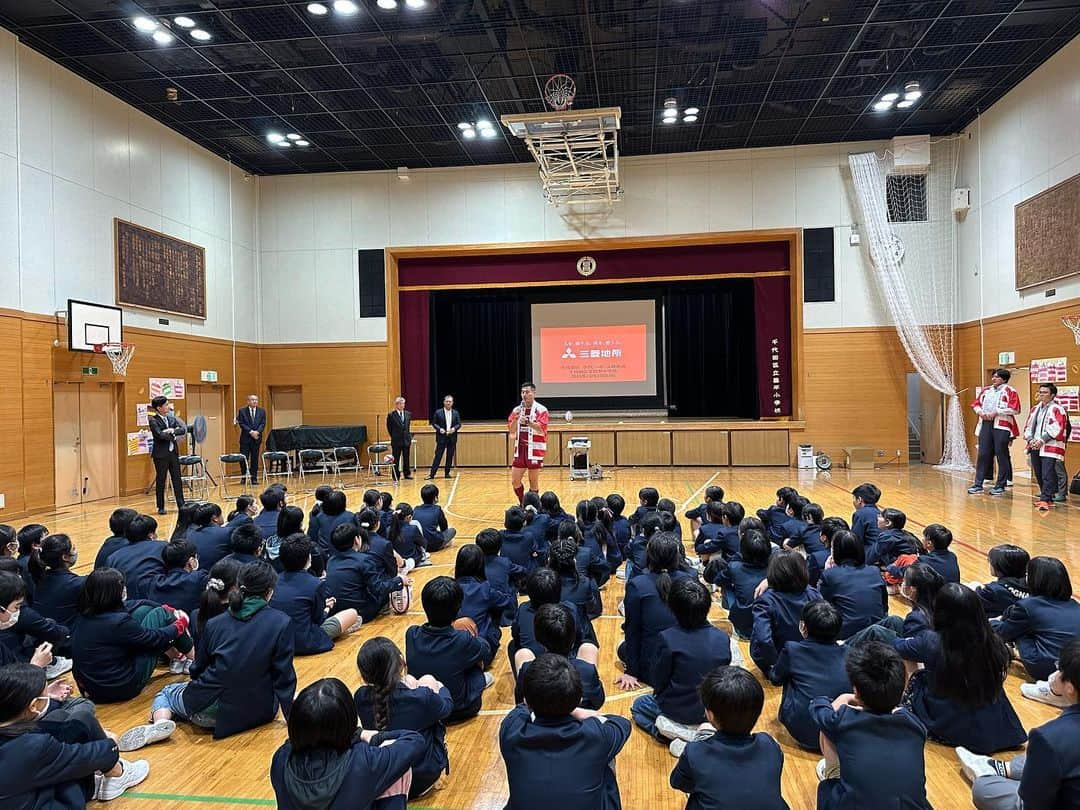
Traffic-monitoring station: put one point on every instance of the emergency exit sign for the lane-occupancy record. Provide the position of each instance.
(1004, 358)
(90, 371)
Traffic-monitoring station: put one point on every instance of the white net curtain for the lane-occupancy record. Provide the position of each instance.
(909, 232)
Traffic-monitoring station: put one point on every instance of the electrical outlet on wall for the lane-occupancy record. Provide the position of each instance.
(880, 453)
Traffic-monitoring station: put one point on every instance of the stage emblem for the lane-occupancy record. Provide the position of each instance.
(586, 266)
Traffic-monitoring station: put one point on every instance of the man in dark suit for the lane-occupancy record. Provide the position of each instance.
(447, 423)
(252, 423)
(166, 430)
(399, 427)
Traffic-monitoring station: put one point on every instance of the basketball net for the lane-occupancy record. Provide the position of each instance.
(1072, 323)
(910, 234)
(119, 355)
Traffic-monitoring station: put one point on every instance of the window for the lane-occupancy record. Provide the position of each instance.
(372, 284)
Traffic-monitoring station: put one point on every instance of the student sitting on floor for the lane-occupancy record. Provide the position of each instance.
(778, 611)
(406, 536)
(116, 645)
(707, 536)
(1040, 625)
(666, 507)
(620, 524)
(243, 670)
(273, 501)
(437, 533)
(864, 520)
(552, 509)
(739, 578)
(48, 769)
(685, 653)
(1008, 566)
(635, 552)
(893, 539)
(959, 694)
(604, 531)
(556, 753)
(590, 561)
(518, 545)
(775, 516)
(212, 535)
(920, 587)
(333, 514)
(453, 656)
(327, 763)
(245, 505)
(556, 632)
(813, 667)
(535, 529)
(392, 700)
(306, 601)
(26, 635)
(356, 578)
(934, 551)
(731, 768)
(648, 498)
(30, 538)
(185, 522)
(816, 560)
(290, 520)
(480, 602)
(246, 544)
(647, 612)
(59, 588)
(698, 515)
(579, 590)
(1048, 774)
(806, 533)
(215, 599)
(873, 749)
(118, 523)
(543, 587)
(386, 513)
(369, 521)
(854, 588)
(140, 560)
(501, 572)
(182, 582)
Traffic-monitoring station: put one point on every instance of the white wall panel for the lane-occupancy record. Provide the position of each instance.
(35, 107)
(8, 95)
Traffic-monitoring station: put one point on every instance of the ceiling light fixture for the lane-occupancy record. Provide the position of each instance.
(403, 173)
(890, 97)
(275, 137)
(468, 133)
(389, 5)
(346, 7)
(184, 22)
(912, 91)
(292, 136)
(144, 24)
(318, 9)
(302, 142)
(283, 143)
(488, 133)
(691, 111)
(882, 106)
(416, 3)
(163, 37)
(464, 125)
(200, 35)
(483, 126)
(689, 119)
(903, 105)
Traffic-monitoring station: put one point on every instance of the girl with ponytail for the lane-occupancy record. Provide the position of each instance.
(215, 598)
(576, 589)
(243, 669)
(392, 700)
(406, 536)
(58, 591)
(646, 610)
(605, 533)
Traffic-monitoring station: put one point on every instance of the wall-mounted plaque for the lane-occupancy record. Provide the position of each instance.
(159, 272)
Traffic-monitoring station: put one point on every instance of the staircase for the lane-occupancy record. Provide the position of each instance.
(914, 444)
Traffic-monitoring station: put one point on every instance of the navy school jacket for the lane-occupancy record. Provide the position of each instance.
(178, 588)
(776, 622)
(213, 541)
(891, 543)
(535, 533)
(592, 564)
(1002, 593)
(358, 580)
(815, 564)
(453, 656)
(602, 544)
(58, 594)
(27, 578)
(646, 616)
(42, 773)
(108, 651)
(554, 521)
(864, 524)
(774, 518)
(421, 710)
(683, 659)
(523, 637)
(858, 592)
(246, 667)
(716, 538)
(485, 606)
(1040, 627)
(520, 548)
(732, 772)
(585, 596)
(410, 543)
(371, 769)
(561, 762)
(432, 522)
(699, 512)
(139, 563)
(807, 535)
(738, 582)
(864, 742)
(266, 521)
(110, 545)
(808, 669)
(620, 526)
(384, 550)
(322, 525)
(638, 514)
(636, 556)
(944, 562)
(592, 688)
(29, 631)
(503, 575)
(302, 597)
(1051, 776)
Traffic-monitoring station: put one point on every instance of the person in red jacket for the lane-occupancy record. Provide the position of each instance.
(996, 407)
(1046, 434)
(528, 423)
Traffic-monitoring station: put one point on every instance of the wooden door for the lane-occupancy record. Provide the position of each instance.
(931, 424)
(67, 461)
(97, 432)
(209, 402)
(286, 406)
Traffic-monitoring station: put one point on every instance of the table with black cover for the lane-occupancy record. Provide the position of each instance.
(316, 437)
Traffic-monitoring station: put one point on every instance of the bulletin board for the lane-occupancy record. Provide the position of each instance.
(1048, 235)
(159, 272)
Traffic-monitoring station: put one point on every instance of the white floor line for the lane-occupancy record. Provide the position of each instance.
(694, 495)
(633, 693)
(453, 489)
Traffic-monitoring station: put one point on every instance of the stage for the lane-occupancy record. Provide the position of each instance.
(632, 442)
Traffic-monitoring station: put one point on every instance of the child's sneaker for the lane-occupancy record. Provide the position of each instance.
(974, 765)
(141, 736)
(975, 490)
(676, 747)
(675, 731)
(821, 769)
(58, 667)
(111, 787)
(489, 679)
(1040, 691)
(621, 573)
(178, 666)
(359, 623)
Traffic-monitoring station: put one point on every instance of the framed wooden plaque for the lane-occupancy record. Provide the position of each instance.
(1048, 235)
(159, 272)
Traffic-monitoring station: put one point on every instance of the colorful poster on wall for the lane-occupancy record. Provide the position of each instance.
(171, 387)
(1074, 434)
(1048, 369)
(1068, 397)
(142, 414)
(139, 443)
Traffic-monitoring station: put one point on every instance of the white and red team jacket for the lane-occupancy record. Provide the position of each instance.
(537, 442)
(1006, 401)
(1048, 423)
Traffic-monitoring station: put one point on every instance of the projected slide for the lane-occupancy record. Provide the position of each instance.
(594, 349)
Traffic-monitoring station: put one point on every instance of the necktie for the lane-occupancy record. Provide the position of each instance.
(252, 415)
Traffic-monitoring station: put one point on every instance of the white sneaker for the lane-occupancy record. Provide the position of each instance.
(1040, 691)
(178, 666)
(676, 748)
(621, 573)
(675, 731)
(58, 667)
(974, 765)
(359, 623)
(820, 769)
(111, 787)
(622, 610)
(139, 737)
(489, 679)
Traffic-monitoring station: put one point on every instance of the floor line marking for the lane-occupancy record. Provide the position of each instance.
(453, 489)
(184, 797)
(693, 494)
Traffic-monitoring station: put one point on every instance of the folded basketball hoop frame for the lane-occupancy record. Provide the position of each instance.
(576, 151)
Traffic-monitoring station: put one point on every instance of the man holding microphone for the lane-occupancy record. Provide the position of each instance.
(528, 422)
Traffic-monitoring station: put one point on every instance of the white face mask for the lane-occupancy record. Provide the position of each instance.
(39, 714)
(11, 621)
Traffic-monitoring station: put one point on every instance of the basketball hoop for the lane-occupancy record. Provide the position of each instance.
(119, 355)
(1073, 323)
(559, 91)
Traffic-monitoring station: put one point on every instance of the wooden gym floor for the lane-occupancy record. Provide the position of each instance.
(192, 770)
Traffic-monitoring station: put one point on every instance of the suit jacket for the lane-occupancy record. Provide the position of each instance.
(246, 423)
(165, 444)
(399, 428)
(438, 420)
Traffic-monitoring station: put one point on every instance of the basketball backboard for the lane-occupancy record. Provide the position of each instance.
(90, 324)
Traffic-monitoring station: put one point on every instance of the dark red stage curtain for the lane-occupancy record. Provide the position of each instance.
(772, 319)
(415, 326)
